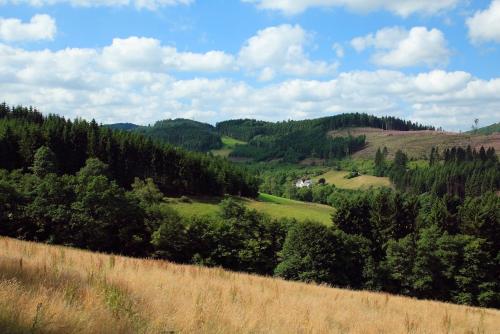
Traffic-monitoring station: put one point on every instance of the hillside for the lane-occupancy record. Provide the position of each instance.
(49, 289)
(293, 141)
(276, 207)
(487, 130)
(185, 133)
(417, 144)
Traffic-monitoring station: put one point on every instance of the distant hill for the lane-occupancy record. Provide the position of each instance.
(293, 141)
(122, 126)
(185, 133)
(416, 144)
(487, 130)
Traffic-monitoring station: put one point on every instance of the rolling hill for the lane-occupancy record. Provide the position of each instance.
(50, 289)
(416, 144)
(185, 133)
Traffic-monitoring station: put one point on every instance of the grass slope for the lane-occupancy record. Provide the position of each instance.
(361, 182)
(272, 205)
(228, 145)
(417, 144)
(50, 289)
(487, 130)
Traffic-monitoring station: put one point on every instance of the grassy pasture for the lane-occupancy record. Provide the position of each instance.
(274, 206)
(361, 182)
(51, 289)
(228, 146)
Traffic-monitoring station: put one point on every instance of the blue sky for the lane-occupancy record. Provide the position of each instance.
(143, 60)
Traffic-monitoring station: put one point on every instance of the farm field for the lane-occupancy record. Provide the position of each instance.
(52, 289)
(228, 146)
(361, 182)
(416, 144)
(272, 205)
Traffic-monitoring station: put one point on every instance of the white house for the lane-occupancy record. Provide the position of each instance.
(303, 183)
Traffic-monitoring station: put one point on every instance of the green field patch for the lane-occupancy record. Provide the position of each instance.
(338, 178)
(276, 207)
(228, 145)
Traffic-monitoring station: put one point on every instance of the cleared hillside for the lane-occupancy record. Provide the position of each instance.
(274, 206)
(417, 144)
(48, 289)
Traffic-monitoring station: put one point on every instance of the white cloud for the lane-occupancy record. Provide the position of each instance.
(139, 4)
(399, 7)
(339, 50)
(397, 47)
(148, 54)
(280, 49)
(484, 25)
(114, 85)
(40, 27)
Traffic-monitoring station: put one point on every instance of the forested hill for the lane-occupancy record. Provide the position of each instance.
(296, 140)
(185, 133)
(24, 130)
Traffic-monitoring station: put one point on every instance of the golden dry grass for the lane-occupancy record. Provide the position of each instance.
(417, 144)
(48, 289)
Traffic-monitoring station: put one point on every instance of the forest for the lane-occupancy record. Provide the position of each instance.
(176, 172)
(185, 133)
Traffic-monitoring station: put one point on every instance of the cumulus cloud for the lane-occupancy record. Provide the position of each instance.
(148, 54)
(484, 25)
(85, 83)
(397, 47)
(140, 4)
(280, 49)
(399, 7)
(40, 27)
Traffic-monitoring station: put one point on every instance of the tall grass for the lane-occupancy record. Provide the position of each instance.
(48, 289)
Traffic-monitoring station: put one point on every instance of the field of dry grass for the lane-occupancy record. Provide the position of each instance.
(417, 144)
(48, 289)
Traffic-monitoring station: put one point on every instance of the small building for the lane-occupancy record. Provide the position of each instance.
(303, 183)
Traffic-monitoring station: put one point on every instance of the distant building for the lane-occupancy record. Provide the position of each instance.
(303, 183)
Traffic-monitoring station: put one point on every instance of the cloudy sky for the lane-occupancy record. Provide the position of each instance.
(431, 61)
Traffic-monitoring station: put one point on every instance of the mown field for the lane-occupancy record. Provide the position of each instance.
(228, 146)
(361, 182)
(416, 144)
(272, 205)
(51, 289)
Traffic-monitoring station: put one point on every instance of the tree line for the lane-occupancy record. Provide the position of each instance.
(128, 155)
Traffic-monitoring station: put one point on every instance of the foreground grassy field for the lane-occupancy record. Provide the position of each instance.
(361, 182)
(228, 146)
(417, 144)
(49, 289)
(274, 206)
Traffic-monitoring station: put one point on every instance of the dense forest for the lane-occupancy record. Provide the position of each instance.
(185, 133)
(292, 141)
(459, 172)
(24, 130)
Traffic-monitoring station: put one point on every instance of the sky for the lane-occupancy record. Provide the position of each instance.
(431, 61)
